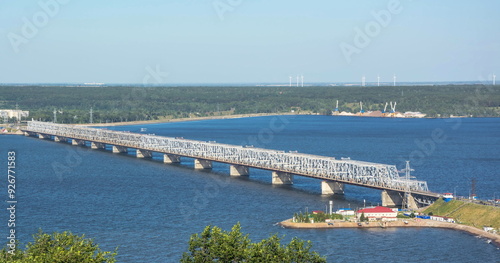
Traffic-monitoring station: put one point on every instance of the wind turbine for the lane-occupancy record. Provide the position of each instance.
(378, 80)
(394, 80)
(363, 81)
(302, 80)
(290, 80)
(494, 78)
(297, 80)
(337, 107)
(361, 105)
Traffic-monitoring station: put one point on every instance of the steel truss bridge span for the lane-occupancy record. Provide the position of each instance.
(360, 173)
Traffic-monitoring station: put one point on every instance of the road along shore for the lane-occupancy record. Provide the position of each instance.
(190, 119)
(495, 238)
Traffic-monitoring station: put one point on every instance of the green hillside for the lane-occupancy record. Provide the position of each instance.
(467, 213)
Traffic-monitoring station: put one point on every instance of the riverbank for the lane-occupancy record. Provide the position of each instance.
(17, 132)
(495, 238)
(235, 116)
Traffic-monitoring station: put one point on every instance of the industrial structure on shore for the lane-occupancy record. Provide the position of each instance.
(392, 113)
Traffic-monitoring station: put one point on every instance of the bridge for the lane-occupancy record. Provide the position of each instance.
(397, 190)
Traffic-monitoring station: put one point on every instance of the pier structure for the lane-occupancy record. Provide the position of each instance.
(334, 174)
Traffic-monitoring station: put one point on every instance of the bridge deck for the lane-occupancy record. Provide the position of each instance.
(366, 174)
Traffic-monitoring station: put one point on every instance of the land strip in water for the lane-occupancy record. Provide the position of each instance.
(416, 222)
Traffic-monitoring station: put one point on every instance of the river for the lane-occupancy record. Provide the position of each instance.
(149, 209)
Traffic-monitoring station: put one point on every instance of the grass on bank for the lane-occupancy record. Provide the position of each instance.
(467, 213)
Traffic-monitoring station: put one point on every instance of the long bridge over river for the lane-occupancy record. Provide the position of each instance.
(396, 190)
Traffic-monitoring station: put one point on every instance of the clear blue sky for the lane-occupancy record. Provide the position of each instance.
(210, 41)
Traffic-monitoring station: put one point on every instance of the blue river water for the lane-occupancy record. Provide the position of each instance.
(149, 209)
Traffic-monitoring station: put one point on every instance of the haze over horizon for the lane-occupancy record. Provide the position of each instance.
(238, 41)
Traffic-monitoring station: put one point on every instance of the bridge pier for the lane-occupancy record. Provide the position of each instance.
(60, 139)
(329, 188)
(76, 142)
(171, 158)
(143, 153)
(412, 204)
(97, 145)
(43, 136)
(119, 149)
(200, 164)
(282, 178)
(392, 198)
(238, 170)
(396, 199)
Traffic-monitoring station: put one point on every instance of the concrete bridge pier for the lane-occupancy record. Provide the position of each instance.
(238, 170)
(392, 198)
(43, 136)
(60, 139)
(119, 149)
(282, 178)
(412, 204)
(97, 145)
(76, 142)
(330, 188)
(171, 158)
(396, 199)
(144, 154)
(200, 164)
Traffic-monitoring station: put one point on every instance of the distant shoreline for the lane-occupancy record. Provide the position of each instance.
(495, 239)
(236, 116)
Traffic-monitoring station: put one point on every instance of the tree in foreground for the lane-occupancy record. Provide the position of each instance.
(58, 248)
(214, 244)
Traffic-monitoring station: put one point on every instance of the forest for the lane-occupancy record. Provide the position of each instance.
(132, 103)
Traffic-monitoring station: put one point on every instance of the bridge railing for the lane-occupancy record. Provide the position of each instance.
(366, 173)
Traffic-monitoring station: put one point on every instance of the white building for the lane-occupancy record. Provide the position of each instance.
(442, 219)
(378, 213)
(345, 212)
(18, 114)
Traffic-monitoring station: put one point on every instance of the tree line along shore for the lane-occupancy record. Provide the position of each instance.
(109, 104)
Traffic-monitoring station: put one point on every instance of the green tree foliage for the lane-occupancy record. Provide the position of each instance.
(216, 245)
(363, 218)
(318, 217)
(59, 247)
(130, 103)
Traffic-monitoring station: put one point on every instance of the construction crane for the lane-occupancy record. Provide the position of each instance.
(393, 109)
(385, 109)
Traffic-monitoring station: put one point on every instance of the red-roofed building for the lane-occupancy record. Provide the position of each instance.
(379, 213)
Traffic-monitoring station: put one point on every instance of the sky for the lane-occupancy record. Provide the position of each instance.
(247, 41)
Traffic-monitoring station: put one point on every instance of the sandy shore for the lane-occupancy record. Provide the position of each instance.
(12, 133)
(191, 119)
(495, 238)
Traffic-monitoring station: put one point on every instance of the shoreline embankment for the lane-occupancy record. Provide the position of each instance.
(495, 238)
(221, 117)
